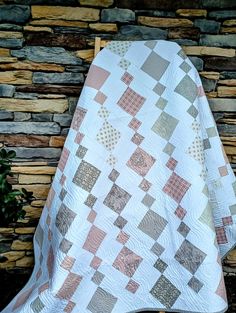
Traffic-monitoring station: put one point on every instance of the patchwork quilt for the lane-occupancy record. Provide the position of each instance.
(142, 207)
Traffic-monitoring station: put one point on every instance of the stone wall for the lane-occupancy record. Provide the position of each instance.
(45, 51)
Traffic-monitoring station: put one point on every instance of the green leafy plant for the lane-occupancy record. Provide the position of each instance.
(11, 200)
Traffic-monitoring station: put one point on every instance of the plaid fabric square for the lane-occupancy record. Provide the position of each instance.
(63, 159)
(131, 101)
(134, 124)
(137, 139)
(171, 164)
(227, 220)
(221, 235)
(176, 187)
(132, 286)
(127, 78)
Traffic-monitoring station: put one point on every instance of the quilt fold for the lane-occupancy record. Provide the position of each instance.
(142, 207)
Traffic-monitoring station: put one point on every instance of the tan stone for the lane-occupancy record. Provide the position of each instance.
(25, 230)
(13, 255)
(38, 29)
(86, 55)
(38, 203)
(59, 23)
(164, 21)
(64, 13)
(228, 82)
(34, 105)
(229, 30)
(204, 50)
(211, 94)
(7, 265)
(16, 77)
(4, 52)
(57, 141)
(96, 3)
(33, 212)
(7, 60)
(21, 245)
(228, 140)
(192, 12)
(36, 170)
(104, 27)
(28, 65)
(226, 91)
(30, 163)
(9, 34)
(6, 230)
(51, 96)
(27, 261)
(230, 150)
(230, 22)
(39, 190)
(210, 75)
(34, 179)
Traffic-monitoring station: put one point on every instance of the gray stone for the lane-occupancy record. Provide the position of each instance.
(66, 78)
(76, 69)
(22, 116)
(65, 131)
(207, 26)
(223, 14)
(25, 238)
(227, 75)
(185, 42)
(14, 13)
(117, 15)
(25, 95)
(42, 117)
(46, 54)
(218, 40)
(54, 2)
(226, 129)
(6, 115)
(197, 62)
(29, 128)
(155, 13)
(7, 90)
(63, 119)
(132, 32)
(22, 152)
(11, 42)
(72, 101)
(208, 84)
(218, 3)
(5, 247)
(7, 26)
(221, 104)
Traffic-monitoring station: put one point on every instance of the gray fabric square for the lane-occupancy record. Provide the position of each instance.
(150, 44)
(62, 194)
(189, 256)
(39, 234)
(90, 201)
(81, 151)
(65, 245)
(102, 302)
(192, 111)
(155, 65)
(165, 292)
(148, 200)
(160, 265)
(169, 148)
(206, 143)
(120, 222)
(183, 229)
(195, 284)
(117, 198)
(152, 224)
(161, 103)
(86, 176)
(98, 277)
(159, 89)
(157, 248)
(185, 67)
(165, 125)
(211, 131)
(64, 218)
(37, 305)
(187, 88)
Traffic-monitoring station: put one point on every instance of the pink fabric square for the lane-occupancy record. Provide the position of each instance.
(94, 239)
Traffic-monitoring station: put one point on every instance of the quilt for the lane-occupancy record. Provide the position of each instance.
(142, 207)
